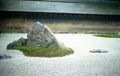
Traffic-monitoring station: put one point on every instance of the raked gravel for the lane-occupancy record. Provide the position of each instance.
(81, 63)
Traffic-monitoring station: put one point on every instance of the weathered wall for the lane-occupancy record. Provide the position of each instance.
(60, 22)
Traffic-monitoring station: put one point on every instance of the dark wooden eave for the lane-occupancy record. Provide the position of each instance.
(61, 7)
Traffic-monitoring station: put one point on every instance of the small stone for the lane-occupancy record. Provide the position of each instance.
(98, 51)
(5, 56)
(20, 42)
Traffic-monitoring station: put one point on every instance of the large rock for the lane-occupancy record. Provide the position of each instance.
(118, 33)
(20, 42)
(40, 35)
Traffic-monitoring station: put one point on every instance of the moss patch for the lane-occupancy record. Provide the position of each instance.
(108, 35)
(45, 52)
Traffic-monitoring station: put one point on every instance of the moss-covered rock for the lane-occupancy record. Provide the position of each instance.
(20, 42)
(40, 42)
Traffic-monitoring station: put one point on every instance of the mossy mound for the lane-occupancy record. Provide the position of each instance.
(45, 51)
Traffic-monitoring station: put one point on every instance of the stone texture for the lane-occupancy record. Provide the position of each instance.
(41, 35)
(18, 43)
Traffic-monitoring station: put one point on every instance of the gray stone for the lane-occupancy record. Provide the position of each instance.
(5, 56)
(41, 35)
(18, 43)
(118, 33)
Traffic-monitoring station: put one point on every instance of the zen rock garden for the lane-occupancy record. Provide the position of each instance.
(40, 42)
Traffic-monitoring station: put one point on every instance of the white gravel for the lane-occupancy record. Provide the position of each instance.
(81, 63)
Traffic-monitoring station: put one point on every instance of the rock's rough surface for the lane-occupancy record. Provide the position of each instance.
(18, 43)
(40, 35)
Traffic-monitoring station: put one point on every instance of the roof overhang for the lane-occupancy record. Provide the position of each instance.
(61, 7)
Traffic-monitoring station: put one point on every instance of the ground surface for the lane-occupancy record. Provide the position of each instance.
(81, 63)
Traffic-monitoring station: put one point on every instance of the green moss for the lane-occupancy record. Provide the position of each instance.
(12, 31)
(45, 52)
(108, 35)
